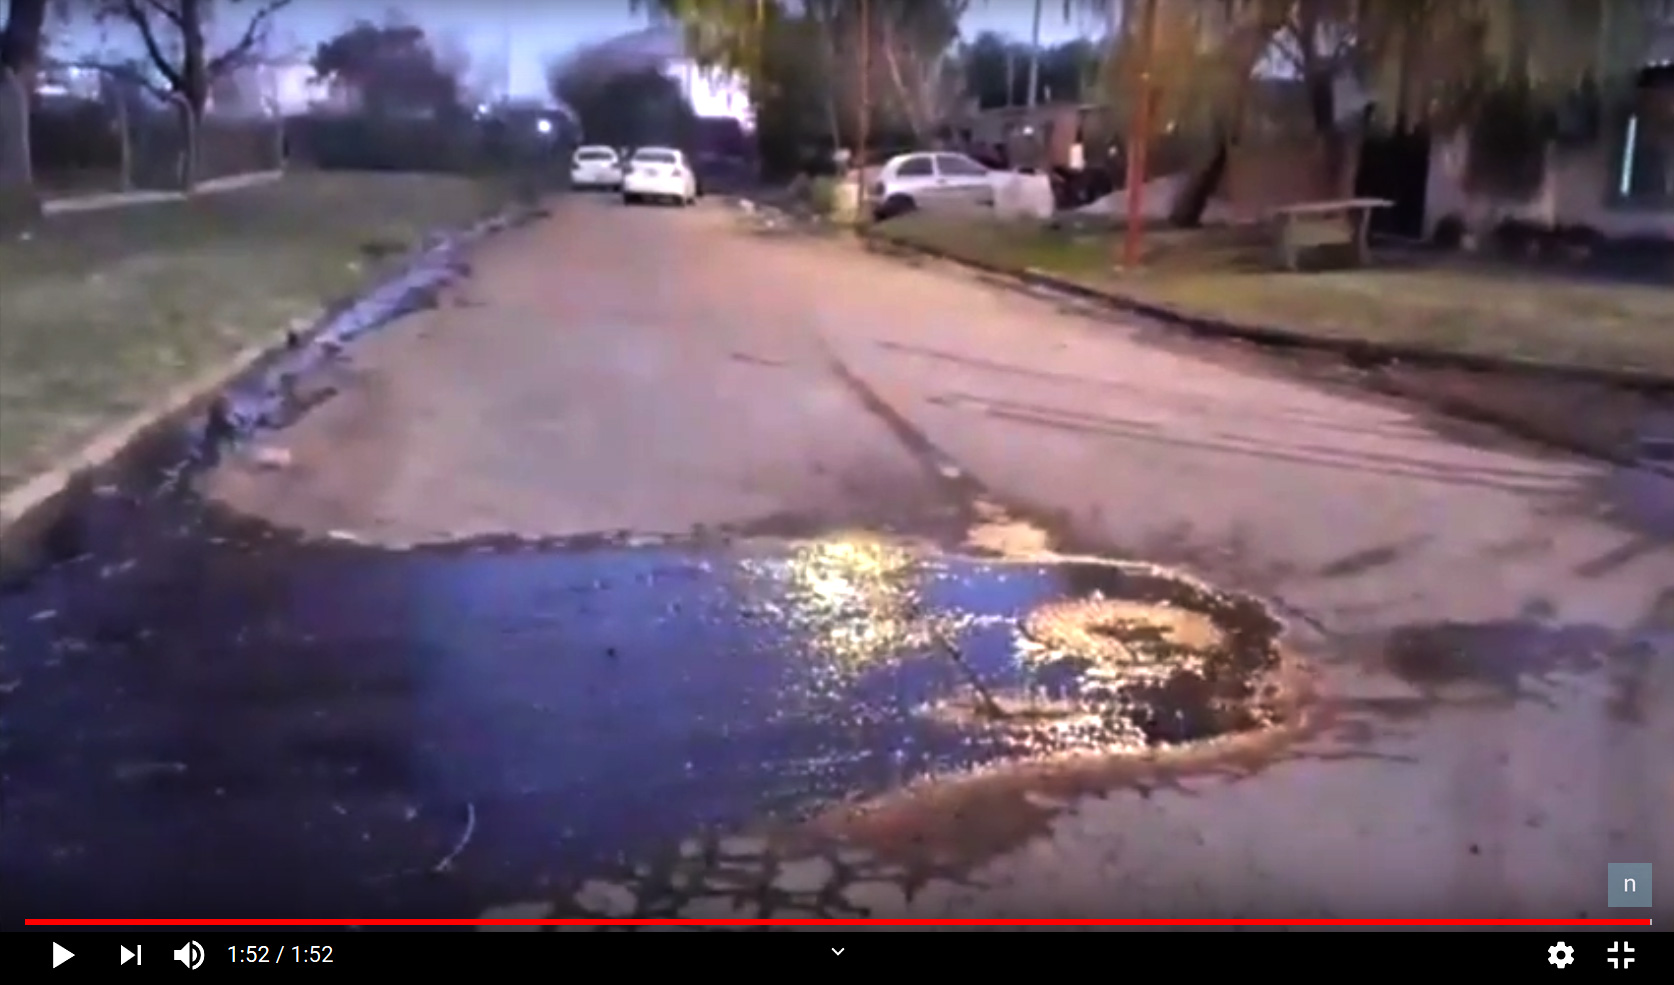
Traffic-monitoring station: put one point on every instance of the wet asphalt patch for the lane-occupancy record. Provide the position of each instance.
(200, 714)
(238, 724)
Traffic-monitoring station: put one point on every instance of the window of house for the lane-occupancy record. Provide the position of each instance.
(1645, 168)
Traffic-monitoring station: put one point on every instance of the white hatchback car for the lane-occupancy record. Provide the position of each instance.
(931, 180)
(659, 174)
(596, 166)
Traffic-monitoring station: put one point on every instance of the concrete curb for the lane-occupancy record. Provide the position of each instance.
(116, 200)
(31, 510)
(1359, 351)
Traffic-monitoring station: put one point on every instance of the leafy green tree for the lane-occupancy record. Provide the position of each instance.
(814, 51)
(394, 67)
(625, 108)
(1442, 64)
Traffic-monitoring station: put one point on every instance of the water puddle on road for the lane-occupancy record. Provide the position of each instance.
(202, 715)
(239, 722)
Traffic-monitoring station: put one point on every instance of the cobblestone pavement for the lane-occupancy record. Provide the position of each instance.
(731, 878)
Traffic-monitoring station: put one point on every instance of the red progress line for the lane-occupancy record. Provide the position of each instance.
(467, 922)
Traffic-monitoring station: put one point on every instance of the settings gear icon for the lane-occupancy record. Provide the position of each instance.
(1560, 955)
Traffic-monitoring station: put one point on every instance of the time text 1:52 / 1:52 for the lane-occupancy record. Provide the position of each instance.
(295, 954)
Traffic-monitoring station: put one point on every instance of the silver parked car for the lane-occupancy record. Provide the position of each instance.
(940, 180)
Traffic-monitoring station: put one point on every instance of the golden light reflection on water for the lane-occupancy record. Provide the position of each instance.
(1128, 671)
(855, 603)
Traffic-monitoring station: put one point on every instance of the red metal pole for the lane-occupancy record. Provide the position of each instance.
(1139, 137)
(865, 112)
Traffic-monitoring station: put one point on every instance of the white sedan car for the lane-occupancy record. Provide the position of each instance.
(938, 180)
(659, 174)
(596, 167)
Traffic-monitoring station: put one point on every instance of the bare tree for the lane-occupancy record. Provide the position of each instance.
(915, 42)
(173, 33)
(20, 55)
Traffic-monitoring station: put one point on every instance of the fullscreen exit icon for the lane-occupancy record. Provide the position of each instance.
(1621, 954)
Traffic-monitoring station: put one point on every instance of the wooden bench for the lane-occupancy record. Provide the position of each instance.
(1342, 221)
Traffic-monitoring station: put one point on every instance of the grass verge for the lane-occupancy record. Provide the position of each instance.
(104, 311)
(1445, 307)
(1477, 310)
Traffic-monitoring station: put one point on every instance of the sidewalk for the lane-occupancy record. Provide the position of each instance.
(111, 200)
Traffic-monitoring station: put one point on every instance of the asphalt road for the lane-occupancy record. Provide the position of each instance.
(642, 428)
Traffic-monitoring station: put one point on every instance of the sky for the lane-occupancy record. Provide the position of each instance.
(533, 31)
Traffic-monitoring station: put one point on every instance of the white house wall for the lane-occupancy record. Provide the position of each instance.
(1573, 192)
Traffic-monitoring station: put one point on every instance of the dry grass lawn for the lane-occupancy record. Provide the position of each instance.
(104, 311)
(1450, 306)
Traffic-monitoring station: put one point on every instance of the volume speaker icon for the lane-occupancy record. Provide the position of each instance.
(190, 954)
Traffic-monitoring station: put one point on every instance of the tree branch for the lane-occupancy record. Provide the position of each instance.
(255, 34)
(127, 72)
(134, 11)
(168, 11)
(892, 62)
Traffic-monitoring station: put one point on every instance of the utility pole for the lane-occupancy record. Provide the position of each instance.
(865, 121)
(506, 45)
(1034, 56)
(761, 41)
(755, 87)
(1139, 133)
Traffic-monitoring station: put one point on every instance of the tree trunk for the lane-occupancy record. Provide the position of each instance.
(20, 40)
(20, 54)
(1192, 200)
(904, 97)
(194, 84)
(1342, 148)
(19, 204)
(194, 63)
(834, 120)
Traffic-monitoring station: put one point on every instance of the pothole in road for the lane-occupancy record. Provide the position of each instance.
(1033, 657)
(350, 705)
(1043, 662)
(1129, 657)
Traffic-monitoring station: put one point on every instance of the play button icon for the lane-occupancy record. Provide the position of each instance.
(60, 954)
(127, 955)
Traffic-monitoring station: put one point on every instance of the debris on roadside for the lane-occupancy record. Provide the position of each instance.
(271, 458)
